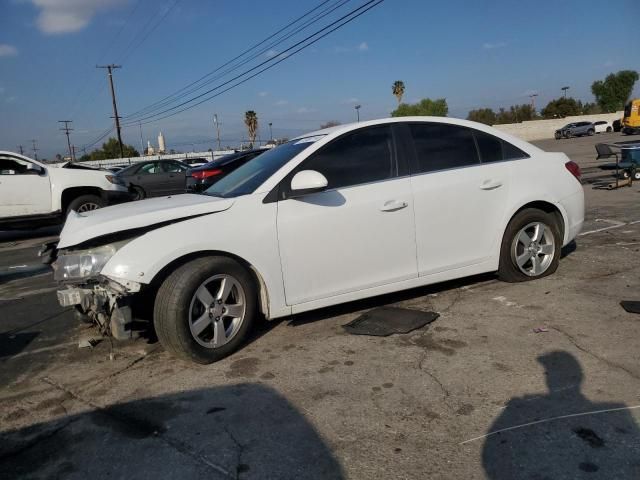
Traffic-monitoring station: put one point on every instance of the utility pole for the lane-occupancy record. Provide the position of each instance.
(73, 152)
(217, 124)
(35, 150)
(20, 148)
(533, 103)
(270, 131)
(564, 89)
(357, 107)
(113, 98)
(66, 130)
(141, 140)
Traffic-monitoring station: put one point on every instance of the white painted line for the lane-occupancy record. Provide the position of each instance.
(42, 350)
(615, 224)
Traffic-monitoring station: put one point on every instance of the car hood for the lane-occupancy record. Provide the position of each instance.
(81, 227)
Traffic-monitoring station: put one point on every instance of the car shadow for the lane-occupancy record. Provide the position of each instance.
(246, 431)
(562, 434)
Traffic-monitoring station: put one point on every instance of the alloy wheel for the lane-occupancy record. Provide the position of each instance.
(217, 311)
(87, 207)
(533, 249)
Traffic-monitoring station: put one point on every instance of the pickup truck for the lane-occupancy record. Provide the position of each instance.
(34, 194)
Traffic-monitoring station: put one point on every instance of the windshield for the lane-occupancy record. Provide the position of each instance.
(245, 179)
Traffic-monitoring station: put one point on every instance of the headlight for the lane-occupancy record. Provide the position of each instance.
(83, 264)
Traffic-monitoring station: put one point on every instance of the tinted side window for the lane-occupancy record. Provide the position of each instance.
(509, 152)
(490, 147)
(442, 146)
(173, 167)
(360, 157)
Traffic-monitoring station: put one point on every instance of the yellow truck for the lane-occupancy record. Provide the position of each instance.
(631, 118)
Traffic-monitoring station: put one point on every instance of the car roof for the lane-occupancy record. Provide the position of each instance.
(230, 157)
(340, 129)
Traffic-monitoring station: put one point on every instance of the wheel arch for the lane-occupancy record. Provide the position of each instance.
(548, 207)
(71, 193)
(164, 272)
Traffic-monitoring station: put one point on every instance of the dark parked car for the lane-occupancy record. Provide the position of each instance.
(576, 129)
(201, 178)
(154, 178)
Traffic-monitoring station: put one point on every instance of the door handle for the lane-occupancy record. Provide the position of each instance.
(393, 205)
(491, 184)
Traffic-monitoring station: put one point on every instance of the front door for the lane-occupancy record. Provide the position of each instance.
(25, 188)
(357, 234)
(173, 178)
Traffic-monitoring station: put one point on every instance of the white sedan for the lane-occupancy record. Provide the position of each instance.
(602, 126)
(332, 216)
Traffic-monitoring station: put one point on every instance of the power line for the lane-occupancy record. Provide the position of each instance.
(336, 25)
(188, 90)
(129, 50)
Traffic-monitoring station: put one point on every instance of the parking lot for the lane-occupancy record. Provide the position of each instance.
(530, 380)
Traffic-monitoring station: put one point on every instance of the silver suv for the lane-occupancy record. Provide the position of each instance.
(577, 129)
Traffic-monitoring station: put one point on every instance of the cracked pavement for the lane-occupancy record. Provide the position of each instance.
(304, 399)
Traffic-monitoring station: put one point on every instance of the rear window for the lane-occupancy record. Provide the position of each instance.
(494, 149)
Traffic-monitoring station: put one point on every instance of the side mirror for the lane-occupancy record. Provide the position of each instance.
(34, 169)
(307, 181)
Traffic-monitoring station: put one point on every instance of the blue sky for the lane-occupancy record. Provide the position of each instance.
(474, 53)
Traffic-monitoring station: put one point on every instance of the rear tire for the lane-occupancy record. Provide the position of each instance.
(138, 193)
(591, 132)
(609, 130)
(199, 331)
(526, 256)
(85, 203)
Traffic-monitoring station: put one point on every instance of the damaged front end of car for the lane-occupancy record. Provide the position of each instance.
(104, 301)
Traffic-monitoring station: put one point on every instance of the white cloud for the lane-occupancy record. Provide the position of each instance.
(263, 94)
(10, 99)
(281, 103)
(271, 53)
(491, 46)
(66, 16)
(361, 47)
(305, 110)
(8, 50)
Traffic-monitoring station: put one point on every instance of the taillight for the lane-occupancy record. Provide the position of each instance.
(202, 174)
(574, 169)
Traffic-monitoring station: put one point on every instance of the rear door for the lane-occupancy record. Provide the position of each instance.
(460, 203)
(151, 177)
(173, 177)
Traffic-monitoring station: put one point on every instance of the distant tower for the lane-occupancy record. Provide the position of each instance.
(150, 150)
(161, 147)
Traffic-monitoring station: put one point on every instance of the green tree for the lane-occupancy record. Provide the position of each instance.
(613, 92)
(398, 90)
(110, 149)
(251, 121)
(482, 115)
(562, 107)
(425, 107)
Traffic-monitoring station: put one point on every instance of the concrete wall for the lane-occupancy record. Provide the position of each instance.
(540, 129)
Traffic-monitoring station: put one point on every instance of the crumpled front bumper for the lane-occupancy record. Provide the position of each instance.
(110, 311)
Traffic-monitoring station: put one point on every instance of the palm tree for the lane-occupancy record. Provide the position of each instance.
(251, 121)
(398, 90)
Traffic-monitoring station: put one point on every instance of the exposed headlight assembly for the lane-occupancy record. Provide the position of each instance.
(83, 264)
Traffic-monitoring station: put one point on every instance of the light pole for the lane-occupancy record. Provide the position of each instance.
(270, 131)
(533, 102)
(564, 89)
(215, 121)
(357, 107)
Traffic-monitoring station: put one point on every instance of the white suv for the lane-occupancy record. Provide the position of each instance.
(330, 217)
(32, 193)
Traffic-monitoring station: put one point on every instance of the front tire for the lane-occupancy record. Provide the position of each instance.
(138, 193)
(609, 130)
(85, 203)
(204, 310)
(591, 132)
(530, 247)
